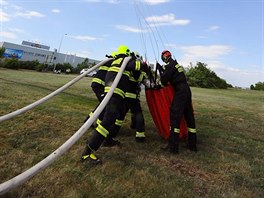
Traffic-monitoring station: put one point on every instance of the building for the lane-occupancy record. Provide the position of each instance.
(29, 51)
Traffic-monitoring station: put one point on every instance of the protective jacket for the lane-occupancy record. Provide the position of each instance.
(181, 104)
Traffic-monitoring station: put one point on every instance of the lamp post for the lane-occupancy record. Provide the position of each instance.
(56, 54)
(61, 42)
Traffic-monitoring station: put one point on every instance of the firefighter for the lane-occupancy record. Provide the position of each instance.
(132, 103)
(115, 107)
(98, 82)
(181, 105)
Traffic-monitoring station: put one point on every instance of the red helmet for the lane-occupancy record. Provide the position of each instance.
(165, 56)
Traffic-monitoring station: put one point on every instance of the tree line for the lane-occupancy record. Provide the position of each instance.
(198, 75)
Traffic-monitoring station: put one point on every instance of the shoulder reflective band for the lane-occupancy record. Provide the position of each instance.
(179, 68)
(116, 91)
(103, 68)
(117, 62)
(130, 95)
(100, 129)
(137, 65)
(99, 81)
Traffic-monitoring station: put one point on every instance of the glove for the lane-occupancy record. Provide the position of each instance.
(144, 67)
(159, 67)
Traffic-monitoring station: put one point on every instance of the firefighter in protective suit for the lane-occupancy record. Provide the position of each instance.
(98, 81)
(181, 105)
(116, 105)
(132, 103)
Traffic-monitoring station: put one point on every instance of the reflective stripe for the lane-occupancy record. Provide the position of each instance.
(92, 156)
(99, 81)
(131, 78)
(100, 129)
(130, 95)
(142, 76)
(179, 68)
(91, 114)
(176, 130)
(137, 68)
(116, 69)
(116, 91)
(192, 130)
(103, 68)
(117, 61)
(119, 122)
(140, 134)
(98, 121)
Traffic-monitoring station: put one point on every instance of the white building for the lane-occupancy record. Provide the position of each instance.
(29, 51)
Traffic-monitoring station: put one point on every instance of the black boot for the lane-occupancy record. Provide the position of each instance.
(192, 142)
(173, 144)
(110, 142)
(88, 156)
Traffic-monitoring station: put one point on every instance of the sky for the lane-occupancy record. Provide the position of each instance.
(226, 35)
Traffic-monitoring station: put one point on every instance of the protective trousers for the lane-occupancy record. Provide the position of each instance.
(182, 107)
(113, 110)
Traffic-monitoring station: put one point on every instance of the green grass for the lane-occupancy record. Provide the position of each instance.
(229, 162)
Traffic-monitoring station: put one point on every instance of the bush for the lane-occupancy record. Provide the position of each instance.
(258, 86)
(201, 76)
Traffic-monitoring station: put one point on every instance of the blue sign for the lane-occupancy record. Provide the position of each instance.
(13, 53)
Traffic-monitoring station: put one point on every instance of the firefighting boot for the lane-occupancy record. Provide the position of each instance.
(110, 142)
(90, 157)
(173, 144)
(140, 137)
(192, 142)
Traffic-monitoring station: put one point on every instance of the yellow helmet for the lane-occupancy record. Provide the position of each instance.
(123, 49)
(113, 54)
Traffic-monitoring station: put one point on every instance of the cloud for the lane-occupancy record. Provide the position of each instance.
(29, 14)
(213, 28)
(8, 35)
(201, 51)
(155, 2)
(103, 1)
(83, 38)
(3, 3)
(55, 10)
(4, 17)
(130, 29)
(167, 19)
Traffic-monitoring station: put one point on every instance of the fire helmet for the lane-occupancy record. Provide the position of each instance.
(123, 49)
(165, 56)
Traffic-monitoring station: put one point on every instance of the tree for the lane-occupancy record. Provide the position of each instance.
(258, 86)
(201, 76)
(2, 51)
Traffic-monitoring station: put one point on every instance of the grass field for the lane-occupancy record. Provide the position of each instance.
(229, 163)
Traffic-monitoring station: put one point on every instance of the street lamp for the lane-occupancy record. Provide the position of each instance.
(61, 42)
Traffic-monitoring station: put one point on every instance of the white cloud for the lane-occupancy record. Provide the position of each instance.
(103, 1)
(130, 29)
(3, 3)
(200, 51)
(29, 14)
(17, 30)
(213, 28)
(55, 10)
(83, 38)
(4, 17)
(7, 35)
(167, 19)
(155, 2)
